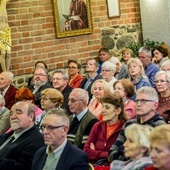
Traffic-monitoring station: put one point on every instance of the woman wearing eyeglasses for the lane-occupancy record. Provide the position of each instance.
(137, 74)
(107, 73)
(75, 78)
(126, 89)
(162, 81)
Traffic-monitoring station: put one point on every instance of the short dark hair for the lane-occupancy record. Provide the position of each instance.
(42, 63)
(76, 62)
(105, 50)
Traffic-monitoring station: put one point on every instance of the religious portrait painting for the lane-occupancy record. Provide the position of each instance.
(72, 17)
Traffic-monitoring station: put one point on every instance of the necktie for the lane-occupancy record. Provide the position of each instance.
(74, 122)
(9, 140)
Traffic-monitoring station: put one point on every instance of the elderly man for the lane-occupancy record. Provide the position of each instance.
(82, 119)
(146, 105)
(60, 82)
(40, 81)
(150, 68)
(18, 147)
(4, 116)
(7, 89)
(91, 71)
(59, 154)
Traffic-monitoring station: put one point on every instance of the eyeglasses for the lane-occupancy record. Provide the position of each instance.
(41, 75)
(50, 127)
(72, 67)
(160, 81)
(106, 70)
(74, 100)
(45, 98)
(57, 79)
(143, 101)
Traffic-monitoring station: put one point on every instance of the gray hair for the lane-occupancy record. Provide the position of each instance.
(40, 68)
(166, 73)
(95, 62)
(2, 100)
(145, 50)
(60, 113)
(139, 134)
(165, 63)
(114, 60)
(9, 74)
(64, 74)
(150, 91)
(109, 65)
(83, 94)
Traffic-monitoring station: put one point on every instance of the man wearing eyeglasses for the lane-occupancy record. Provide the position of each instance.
(18, 147)
(40, 82)
(59, 154)
(146, 105)
(82, 120)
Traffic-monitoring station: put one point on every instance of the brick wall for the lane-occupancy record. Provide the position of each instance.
(33, 33)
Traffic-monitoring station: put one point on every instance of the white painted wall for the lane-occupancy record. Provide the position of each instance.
(155, 16)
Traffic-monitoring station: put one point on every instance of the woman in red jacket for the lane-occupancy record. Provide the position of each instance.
(104, 133)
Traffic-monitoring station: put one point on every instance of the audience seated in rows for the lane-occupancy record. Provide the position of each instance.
(127, 53)
(4, 116)
(121, 69)
(59, 153)
(82, 120)
(146, 105)
(60, 82)
(18, 147)
(40, 64)
(40, 82)
(126, 89)
(162, 81)
(50, 99)
(103, 55)
(91, 76)
(150, 68)
(160, 148)
(107, 73)
(166, 65)
(160, 54)
(7, 90)
(75, 78)
(136, 148)
(99, 89)
(137, 74)
(104, 133)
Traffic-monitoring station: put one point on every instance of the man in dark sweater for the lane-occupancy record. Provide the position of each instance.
(146, 104)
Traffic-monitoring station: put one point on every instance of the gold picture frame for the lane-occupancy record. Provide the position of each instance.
(72, 17)
(113, 8)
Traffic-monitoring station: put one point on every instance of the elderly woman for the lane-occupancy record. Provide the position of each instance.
(160, 148)
(50, 99)
(99, 89)
(166, 65)
(104, 133)
(127, 53)
(137, 74)
(136, 148)
(162, 81)
(107, 73)
(75, 78)
(126, 89)
(160, 54)
(24, 94)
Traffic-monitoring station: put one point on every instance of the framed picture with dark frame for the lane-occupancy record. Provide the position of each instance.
(113, 8)
(72, 17)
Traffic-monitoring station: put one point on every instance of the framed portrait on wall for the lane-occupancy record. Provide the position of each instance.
(113, 8)
(72, 17)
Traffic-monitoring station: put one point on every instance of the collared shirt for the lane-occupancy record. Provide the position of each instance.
(36, 88)
(81, 114)
(53, 157)
(88, 82)
(2, 110)
(5, 90)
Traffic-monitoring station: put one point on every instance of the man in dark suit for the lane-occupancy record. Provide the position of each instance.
(18, 147)
(59, 154)
(82, 120)
(91, 70)
(41, 82)
(7, 89)
(60, 81)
